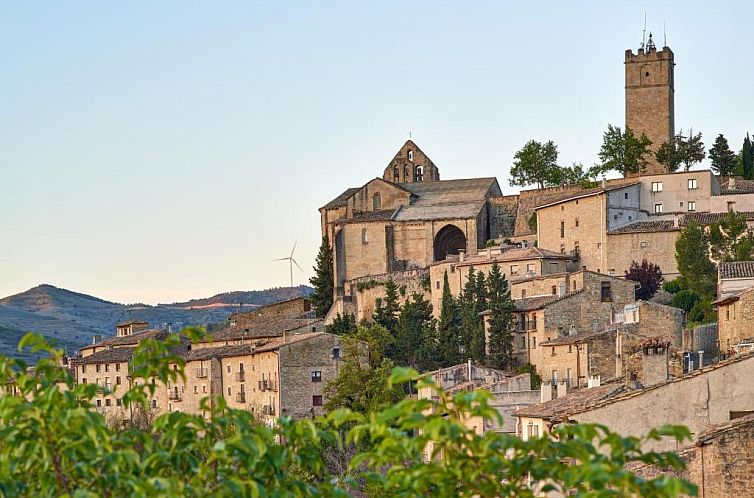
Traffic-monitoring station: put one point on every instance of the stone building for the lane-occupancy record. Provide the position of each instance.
(650, 90)
(720, 462)
(735, 316)
(515, 263)
(712, 395)
(734, 277)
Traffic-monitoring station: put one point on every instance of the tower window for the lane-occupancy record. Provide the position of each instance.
(377, 202)
(562, 229)
(646, 74)
(411, 155)
(396, 174)
(418, 174)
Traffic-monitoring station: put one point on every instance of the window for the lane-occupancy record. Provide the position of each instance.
(97, 367)
(396, 174)
(576, 246)
(108, 402)
(418, 174)
(204, 389)
(552, 353)
(692, 184)
(107, 367)
(228, 368)
(554, 374)
(658, 207)
(576, 223)
(317, 400)
(573, 287)
(530, 268)
(642, 244)
(532, 431)
(83, 381)
(154, 403)
(196, 389)
(727, 313)
(229, 391)
(99, 402)
(411, 155)
(605, 294)
(523, 342)
(625, 195)
(317, 376)
(117, 380)
(514, 269)
(692, 205)
(336, 353)
(377, 202)
(437, 284)
(656, 186)
(534, 342)
(554, 290)
(118, 402)
(562, 229)
(117, 367)
(731, 205)
(364, 236)
(83, 369)
(562, 248)
(523, 293)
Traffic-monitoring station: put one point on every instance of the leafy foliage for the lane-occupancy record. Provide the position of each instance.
(623, 152)
(690, 150)
(731, 239)
(535, 164)
(323, 280)
(342, 324)
(649, 277)
(54, 444)
(723, 159)
(692, 257)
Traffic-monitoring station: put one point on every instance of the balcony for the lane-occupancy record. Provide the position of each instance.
(241, 397)
(201, 373)
(240, 377)
(174, 396)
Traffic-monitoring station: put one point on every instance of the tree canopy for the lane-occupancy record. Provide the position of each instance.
(54, 443)
(648, 276)
(536, 163)
(622, 151)
(723, 159)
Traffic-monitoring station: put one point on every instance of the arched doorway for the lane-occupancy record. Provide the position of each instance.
(449, 240)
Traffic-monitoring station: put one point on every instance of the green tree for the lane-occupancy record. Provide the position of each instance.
(648, 276)
(323, 279)
(668, 154)
(448, 327)
(386, 310)
(691, 150)
(414, 319)
(731, 239)
(362, 381)
(535, 164)
(623, 152)
(692, 257)
(501, 323)
(572, 175)
(747, 159)
(723, 159)
(342, 324)
(55, 444)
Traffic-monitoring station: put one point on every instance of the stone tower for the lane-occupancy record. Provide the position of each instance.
(410, 165)
(650, 96)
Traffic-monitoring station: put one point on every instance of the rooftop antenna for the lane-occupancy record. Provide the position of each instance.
(291, 261)
(664, 35)
(644, 32)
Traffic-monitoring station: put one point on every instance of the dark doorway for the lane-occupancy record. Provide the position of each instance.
(449, 240)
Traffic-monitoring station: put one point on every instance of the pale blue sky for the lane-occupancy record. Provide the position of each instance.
(158, 151)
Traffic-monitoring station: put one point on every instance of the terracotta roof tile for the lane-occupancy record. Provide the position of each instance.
(709, 218)
(737, 269)
(577, 401)
(131, 340)
(538, 302)
(202, 354)
(107, 356)
(647, 226)
(252, 326)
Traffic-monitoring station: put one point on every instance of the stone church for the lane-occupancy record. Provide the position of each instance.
(408, 218)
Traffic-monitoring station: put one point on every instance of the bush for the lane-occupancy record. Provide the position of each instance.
(702, 312)
(685, 299)
(53, 443)
(673, 286)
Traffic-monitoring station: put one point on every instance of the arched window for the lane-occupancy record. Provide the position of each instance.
(377, 202)
(411, 155)
(396, 174)
(405, 173)
(418, 174)
(364, 236)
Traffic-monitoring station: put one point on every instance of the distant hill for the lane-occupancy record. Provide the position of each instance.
(73, 318)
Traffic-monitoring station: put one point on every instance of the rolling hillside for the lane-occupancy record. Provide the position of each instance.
(72, 318)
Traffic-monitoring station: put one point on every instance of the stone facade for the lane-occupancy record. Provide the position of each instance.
(656, 245)
(650, 107)
(720, 463)
(410, 165)
(365, 291)
(735, 315)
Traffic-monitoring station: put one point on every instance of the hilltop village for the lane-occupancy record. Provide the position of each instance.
(583, 346)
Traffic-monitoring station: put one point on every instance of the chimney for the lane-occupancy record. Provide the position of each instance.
(545, 392)
(604, 182)
(562, 389)
(593, 381)
(469, 365)
(654, 360)
(96, 338)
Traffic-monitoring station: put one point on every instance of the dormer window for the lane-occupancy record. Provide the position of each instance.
(376, 202)
(411, 155)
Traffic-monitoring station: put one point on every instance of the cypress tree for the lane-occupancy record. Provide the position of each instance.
(747, 158)
(501, 321)
(386, 310)
(447, 329)
(723, 159)
(415, 317)
(323, 279)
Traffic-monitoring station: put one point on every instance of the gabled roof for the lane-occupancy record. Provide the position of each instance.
(539, 302)
(113, 355)
(131, 340)
(440, 212)
(451, 191)
(342, 199)
(261, 346)
(587, 193)
(736, 269)
(577, 401)
(709, 218)
(253, 326)
(646, 226)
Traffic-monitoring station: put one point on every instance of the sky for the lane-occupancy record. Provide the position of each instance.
(160, 151)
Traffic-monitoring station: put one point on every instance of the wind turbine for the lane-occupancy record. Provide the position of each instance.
(291, 261)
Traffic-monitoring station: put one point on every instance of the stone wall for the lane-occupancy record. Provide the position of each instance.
(502, 216)
(655, 247)
(721, 462)
(734, 321)
(366, 290)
